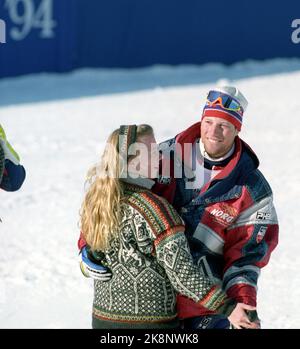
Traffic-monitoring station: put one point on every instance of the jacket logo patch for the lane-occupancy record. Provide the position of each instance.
(261, 233)
(224, 213)
(263, 215)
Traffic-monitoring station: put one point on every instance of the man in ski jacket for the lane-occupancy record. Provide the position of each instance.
(225, 201)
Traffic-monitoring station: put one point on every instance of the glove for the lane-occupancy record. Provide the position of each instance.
(92, 270)
(9, 152)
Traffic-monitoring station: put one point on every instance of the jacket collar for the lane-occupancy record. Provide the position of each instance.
(242, 150)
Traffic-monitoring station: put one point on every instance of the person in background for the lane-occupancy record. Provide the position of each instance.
(12, 174)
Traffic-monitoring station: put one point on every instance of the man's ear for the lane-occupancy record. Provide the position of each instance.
(236, 132)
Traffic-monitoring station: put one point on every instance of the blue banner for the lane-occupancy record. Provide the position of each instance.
(61, 35)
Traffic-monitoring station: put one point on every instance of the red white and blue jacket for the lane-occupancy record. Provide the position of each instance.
(231, 224)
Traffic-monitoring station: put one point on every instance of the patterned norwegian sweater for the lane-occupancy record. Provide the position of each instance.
(150, 263)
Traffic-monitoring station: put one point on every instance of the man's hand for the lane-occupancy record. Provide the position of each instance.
(9, 152)
(92, 270)
(239, 318)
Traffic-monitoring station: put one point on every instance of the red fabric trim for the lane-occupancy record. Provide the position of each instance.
(235, 242)
(188, 136)
(187, 308)
(169, 232)
(81, 242)
(243, 294)
(165, 190)
(135, 321)
(209, 295)
(223, 115)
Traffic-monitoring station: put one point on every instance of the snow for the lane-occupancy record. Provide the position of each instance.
(59, 123)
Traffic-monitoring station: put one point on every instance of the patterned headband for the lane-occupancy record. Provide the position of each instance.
(127, 136)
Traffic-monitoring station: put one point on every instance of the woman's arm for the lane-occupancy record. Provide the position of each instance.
(174, 255)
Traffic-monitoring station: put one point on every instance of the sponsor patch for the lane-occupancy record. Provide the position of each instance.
(261, 233)
(224, 213)
(263, 216)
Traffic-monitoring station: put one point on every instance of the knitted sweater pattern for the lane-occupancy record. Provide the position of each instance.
(150, 261)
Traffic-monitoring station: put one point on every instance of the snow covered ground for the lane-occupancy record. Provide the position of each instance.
(60, 134)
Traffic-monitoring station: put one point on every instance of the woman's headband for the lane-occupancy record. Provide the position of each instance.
(127, 136)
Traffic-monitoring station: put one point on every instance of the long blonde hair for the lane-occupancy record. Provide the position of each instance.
(100, 211)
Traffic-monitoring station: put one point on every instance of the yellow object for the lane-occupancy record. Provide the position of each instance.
(6, 145)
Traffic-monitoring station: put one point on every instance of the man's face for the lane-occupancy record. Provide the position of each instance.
(217, 136)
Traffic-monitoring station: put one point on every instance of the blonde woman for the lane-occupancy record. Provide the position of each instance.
(140, 238)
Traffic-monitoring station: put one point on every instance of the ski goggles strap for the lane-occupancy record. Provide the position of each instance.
(226, 101)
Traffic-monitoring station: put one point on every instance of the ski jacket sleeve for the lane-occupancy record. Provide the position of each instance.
(248, 245)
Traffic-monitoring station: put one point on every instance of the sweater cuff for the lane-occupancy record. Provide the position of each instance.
(227, 307)
(217, 300)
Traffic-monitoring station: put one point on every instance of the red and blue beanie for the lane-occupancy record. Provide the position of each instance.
(217, 110)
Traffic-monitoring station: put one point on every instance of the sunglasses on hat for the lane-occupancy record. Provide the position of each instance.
(226, 101)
